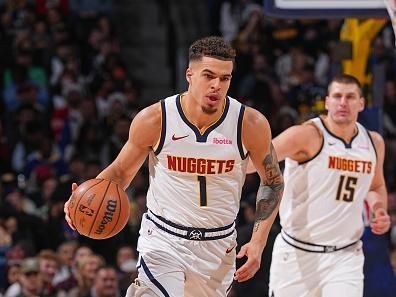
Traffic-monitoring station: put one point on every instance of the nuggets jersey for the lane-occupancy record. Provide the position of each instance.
(323, 197)
(196, 177)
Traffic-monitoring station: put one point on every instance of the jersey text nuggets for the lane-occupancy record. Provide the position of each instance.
(199, 166)
(350, 165)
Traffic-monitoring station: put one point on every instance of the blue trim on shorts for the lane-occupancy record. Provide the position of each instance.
(152, 278)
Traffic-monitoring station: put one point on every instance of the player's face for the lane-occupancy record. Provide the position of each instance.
(209, 80)
(343, 103)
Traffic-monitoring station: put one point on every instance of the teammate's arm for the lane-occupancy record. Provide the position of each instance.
(299, 143)
(377, 196)
(144, 133)
(269, 194)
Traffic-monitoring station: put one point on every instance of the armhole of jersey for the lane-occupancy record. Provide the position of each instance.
(241, 147)
(158, 147)
(372, 143)
(321, 147)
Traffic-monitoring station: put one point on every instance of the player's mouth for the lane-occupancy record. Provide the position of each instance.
(342, 112)
(213, 97)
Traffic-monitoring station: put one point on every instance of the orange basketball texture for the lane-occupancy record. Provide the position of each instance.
(99, 208)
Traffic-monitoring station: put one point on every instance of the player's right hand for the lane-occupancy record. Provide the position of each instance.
(66, 208)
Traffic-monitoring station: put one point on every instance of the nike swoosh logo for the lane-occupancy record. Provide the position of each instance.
(178, 138)
(331, 143)
(230, 249)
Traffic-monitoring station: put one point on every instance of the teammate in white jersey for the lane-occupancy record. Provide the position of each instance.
(332, 164)
(198, 143)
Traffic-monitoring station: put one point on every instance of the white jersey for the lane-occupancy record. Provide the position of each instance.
(323, 197)
(196, 177)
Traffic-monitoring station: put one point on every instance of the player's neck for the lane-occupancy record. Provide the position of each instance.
(196, 115)
(343, 131)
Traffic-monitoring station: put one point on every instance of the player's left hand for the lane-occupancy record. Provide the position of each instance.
(381, 222)
(253, 253)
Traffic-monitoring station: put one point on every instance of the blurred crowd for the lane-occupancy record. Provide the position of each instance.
(66, 105)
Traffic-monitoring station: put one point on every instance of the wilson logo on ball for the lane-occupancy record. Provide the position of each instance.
(99, 208)
(108, 215)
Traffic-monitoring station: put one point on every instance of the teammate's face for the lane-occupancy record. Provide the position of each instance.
(209, 80)
(343, 103)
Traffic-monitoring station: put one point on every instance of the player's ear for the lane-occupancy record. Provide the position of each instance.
(362, 103)
(188, 75)
(326, 105)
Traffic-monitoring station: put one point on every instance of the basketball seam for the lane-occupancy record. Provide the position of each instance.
(78, 202)
(100, 205)
(119, 213)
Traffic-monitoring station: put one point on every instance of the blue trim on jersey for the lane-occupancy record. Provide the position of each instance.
(239, 133)
(321, 147)
(152, 278)
(202, 137)
(163, 128)
(372, 143)
(347, 145)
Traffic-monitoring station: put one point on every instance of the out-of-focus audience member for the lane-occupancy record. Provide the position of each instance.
(30, 279)
(65, 253)
(13, 274)
(49, 266)
(126, 267)
(105, 283)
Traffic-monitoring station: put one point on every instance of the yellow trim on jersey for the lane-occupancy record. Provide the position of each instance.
(203, 130)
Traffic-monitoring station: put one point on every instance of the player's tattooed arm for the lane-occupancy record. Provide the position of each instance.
(270, 191)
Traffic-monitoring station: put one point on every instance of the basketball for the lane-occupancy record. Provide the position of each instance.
(99, 208)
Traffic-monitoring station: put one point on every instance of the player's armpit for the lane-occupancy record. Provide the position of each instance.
(270, 191)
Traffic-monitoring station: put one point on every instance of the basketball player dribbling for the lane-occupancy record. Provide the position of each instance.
(198, 143)
(332, 164)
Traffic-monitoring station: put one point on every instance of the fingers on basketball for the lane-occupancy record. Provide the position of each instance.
(99, 208)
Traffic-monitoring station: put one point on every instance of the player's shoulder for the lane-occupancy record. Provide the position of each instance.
(150, 115)
(375, 136)
(377, 139)
(307, 130)
(310, 128)
(254, 117)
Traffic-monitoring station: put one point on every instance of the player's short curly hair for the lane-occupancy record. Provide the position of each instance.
(214, 47)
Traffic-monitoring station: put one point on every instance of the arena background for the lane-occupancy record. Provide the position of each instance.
(75, 72)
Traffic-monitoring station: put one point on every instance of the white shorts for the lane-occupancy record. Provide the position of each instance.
(295, 272)
(173, 266)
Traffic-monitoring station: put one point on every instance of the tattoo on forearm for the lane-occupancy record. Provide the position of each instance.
(270, 192)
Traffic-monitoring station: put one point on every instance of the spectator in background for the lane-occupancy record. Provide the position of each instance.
(285, 118)
(32, 132)
(116, 139)
(5, 245)
(255, 87)
(13, 287)
(49, 266)
(5, 152)
(126, 267)
(105, 283)
(65, 252)
(30, 278)
(69, 285)
(87, 269)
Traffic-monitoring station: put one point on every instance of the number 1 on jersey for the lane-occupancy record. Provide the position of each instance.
(203, 201)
